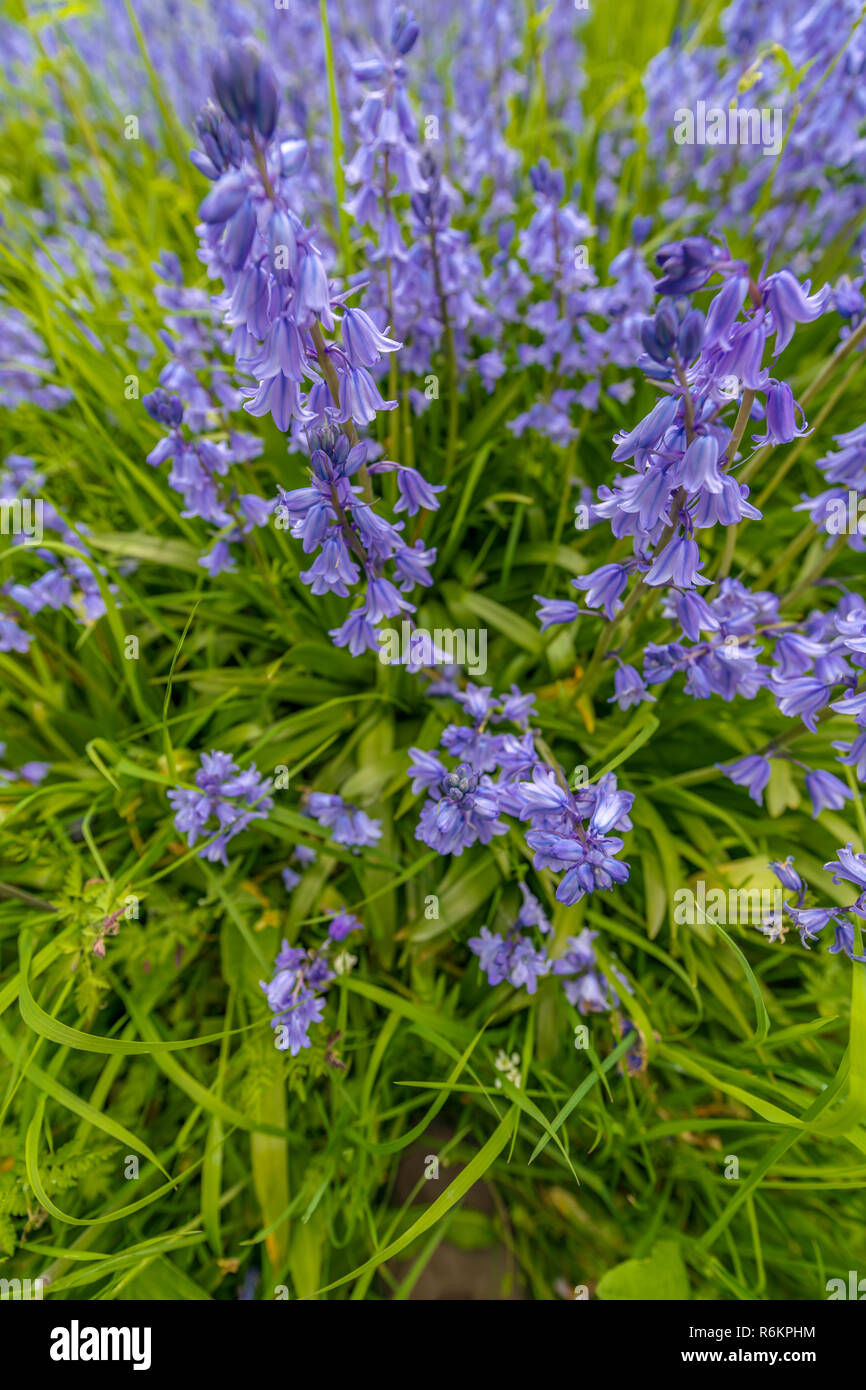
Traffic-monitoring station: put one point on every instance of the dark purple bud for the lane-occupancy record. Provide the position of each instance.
(246, 89)
(421, 205)
(404, 30)
(165, 409)
(428, 168)
(658, 351)
(320, 464)
(228, 141)
(666, 324)
(326, 439)
(230, 72)
(207, 125)
(687, 265)
(547, 182)
(691, 335)
(267, 102)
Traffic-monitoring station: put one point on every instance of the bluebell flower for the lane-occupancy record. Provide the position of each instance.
(415, 492)
(788, 877)
(347, 824)
(341, 924)
(752, 772)
(224, 794)
(699, 469)
(780, 417)
(850, 866)
(854, 755)
(648, 434)
(463, 809)
(25, 365)
(692, 612)
(512, 957)
(843, 940)
(12, 637)
(853, 704)
(363, 341)
(603, 587)
(629, 687)
(570, 831)
(790, 303)
(678, 564)
(554, 611)
(803, 695)
(515, 707)
(295, 993)
(32, 772)
(687, 265)
(826, 792)
(584, 985)
(492, 953)
(809, 921)
(531, 913)
(357, 633)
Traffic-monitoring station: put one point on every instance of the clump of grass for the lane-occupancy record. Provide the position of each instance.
(153, 1142)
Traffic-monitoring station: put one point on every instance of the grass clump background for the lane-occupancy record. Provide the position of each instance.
(696, 1128)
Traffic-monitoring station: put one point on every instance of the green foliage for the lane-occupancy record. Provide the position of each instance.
(174, 1172)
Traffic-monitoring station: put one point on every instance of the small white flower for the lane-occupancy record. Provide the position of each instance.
(510, 1066)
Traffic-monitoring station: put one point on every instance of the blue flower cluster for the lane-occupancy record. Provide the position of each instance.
(348, 825)
(354, 543)
(516, 958)
(816, 192)
(569, 830)
(295, 993)
(65, 582)
(25, 367)
(811, 921)
(683, 452)
(838, 510)
(277, 299)
(193, 412)
(224, 794)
